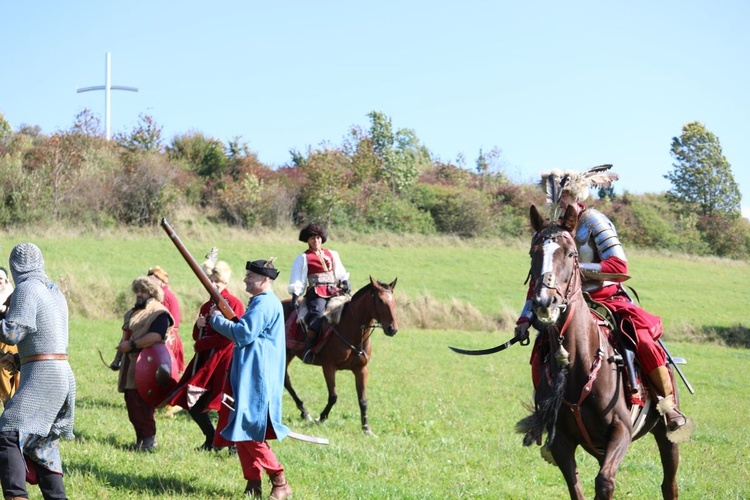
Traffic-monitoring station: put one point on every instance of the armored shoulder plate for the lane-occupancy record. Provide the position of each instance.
(597, 238)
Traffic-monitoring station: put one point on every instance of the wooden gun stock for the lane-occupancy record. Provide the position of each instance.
(216, 297)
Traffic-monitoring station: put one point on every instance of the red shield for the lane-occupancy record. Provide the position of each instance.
(156, 374)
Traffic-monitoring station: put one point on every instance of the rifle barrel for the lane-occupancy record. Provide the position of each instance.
(216, 297)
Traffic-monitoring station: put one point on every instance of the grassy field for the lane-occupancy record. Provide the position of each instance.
(444, 421)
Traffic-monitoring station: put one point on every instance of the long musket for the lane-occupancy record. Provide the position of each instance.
(677, 368)
(216, 297)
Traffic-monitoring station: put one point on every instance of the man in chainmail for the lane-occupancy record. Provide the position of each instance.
(42, 410)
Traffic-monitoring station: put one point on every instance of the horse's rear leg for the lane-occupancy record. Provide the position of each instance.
(670, 460)
(360, 379)
(329, 372)
(304, 414)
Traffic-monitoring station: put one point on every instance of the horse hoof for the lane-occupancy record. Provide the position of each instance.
(368, 432)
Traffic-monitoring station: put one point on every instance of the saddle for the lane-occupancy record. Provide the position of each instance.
(639, 397)
(296, 328)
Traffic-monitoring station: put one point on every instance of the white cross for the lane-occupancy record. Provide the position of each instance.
(107, 87)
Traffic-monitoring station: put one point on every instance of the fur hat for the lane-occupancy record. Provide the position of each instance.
(146, 285)
(159, 273)
(313, 229)
(263, 267)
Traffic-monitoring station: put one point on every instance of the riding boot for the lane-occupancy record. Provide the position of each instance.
(254, 489)
(309, 356)
(673, 417)
(280, 488)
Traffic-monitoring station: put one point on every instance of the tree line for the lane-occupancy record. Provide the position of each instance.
(378, 178)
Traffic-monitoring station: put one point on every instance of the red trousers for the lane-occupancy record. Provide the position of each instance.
(256, 457)
(141, 415)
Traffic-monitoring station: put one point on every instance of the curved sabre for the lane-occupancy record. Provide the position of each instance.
(491, 350)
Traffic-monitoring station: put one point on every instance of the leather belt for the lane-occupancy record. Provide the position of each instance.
(42, 357)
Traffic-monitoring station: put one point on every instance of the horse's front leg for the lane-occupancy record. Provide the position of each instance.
(304, 413)
(564, 453)
(360, 379)
(614, 453)
(329, 372)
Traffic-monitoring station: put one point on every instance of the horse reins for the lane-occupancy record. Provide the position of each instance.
(365, 329)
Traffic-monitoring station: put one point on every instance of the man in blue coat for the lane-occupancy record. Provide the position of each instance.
(257, 378)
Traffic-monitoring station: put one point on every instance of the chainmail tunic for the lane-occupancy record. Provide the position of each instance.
(42, 409)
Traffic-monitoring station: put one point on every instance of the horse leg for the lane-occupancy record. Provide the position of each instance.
(670, 459)
(360, 379)
(564, 453)
(614, 453)
(304, 413)
(329, 372)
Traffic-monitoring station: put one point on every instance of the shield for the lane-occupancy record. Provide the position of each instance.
(156, 374)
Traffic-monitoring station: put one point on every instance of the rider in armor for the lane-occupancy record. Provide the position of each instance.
(604, 266)
(318, 274)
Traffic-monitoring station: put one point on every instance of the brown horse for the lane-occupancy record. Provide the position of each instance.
(349, 346)
(582, 374)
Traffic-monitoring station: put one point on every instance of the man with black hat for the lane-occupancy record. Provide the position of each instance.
(43, 408)
(322, 270)
(257, 379)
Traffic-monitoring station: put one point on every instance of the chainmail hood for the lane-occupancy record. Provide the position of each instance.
(26, 262)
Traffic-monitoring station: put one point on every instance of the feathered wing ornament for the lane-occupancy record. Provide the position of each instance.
(599, 177)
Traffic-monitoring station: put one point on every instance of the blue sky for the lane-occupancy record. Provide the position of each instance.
(550, 83)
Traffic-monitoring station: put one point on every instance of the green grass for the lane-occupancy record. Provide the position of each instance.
(444, 421)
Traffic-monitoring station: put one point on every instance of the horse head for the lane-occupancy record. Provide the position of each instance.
(554, 265)
(384, 306)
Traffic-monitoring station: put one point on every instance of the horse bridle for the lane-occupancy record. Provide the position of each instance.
(366, 329)
(548, 279)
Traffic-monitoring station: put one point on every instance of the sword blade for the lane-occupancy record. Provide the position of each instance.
(307, 439)
(482, 352)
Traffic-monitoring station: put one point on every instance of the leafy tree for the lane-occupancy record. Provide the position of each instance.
(702, 180)
(145, 137)
(401, 155)
(87, 123)
(5, 130)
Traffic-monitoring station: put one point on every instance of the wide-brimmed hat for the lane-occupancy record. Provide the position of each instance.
(313, 229)
(263, 267)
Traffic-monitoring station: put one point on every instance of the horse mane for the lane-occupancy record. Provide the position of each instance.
(369, 287)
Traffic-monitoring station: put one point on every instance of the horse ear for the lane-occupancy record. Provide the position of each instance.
(537, 222)
(393, 285)
(373, 282)
(570, 219)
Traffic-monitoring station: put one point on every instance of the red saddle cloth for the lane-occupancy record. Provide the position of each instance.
(295, 335)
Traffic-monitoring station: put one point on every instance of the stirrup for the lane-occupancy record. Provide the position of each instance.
(309, 357)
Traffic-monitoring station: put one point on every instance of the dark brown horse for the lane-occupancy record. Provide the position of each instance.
(581, 375)
(349, 346)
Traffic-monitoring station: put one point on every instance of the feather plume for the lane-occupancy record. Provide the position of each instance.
(599, 177)
(213, 256)
(269, 262)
